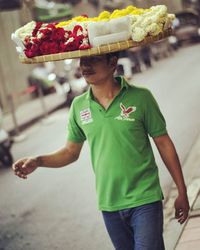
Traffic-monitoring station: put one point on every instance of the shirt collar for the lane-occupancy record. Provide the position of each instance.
(120, 79)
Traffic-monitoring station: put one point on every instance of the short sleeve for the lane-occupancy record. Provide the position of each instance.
(75, 133)
(154, 122)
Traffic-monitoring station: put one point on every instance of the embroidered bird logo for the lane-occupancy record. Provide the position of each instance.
(125, 112)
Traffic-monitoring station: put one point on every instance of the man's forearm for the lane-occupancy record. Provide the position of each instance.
(56, 159)
(170, 158)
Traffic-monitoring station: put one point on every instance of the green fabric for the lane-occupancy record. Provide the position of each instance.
(122, 157)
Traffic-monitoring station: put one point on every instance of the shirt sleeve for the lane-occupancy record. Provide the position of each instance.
(75, 133)
(154, 121)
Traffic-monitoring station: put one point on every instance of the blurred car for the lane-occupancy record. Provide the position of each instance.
(134, 56)
(173, 41)
(77, 86)
(145, 55)
(48, 11)
(42, 78)
(186, 27)
(161, 49)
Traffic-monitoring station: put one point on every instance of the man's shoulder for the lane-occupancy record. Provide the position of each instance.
(80, 99)
(139, 90)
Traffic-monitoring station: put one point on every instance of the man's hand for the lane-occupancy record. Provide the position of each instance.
(25, 166)
(182, 207)
(60, 158)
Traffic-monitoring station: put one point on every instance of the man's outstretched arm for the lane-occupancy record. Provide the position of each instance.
(170, 158)
(62, 157)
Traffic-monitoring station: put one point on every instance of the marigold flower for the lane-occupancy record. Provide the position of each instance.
(104, 15)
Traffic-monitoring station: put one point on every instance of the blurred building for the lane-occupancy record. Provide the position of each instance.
(13, 75)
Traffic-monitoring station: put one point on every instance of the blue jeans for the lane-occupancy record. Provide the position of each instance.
(138, 228)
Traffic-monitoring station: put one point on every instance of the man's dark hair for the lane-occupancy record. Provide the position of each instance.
(113, 54)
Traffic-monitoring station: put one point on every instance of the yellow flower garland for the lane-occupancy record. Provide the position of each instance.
(106, 15)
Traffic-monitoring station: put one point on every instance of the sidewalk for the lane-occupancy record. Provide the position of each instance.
(32, 111)
(186, 236)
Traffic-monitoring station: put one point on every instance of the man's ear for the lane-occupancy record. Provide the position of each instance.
(113, 62)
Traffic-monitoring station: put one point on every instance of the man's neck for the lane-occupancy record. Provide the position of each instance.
(108, 89)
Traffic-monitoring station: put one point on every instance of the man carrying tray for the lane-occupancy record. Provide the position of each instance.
(116, 119)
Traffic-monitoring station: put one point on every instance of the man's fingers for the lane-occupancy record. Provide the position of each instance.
(19, 170)
(15, 167)
(182, 220)
(178, 213)
(20, 175)
(24, 167)
(181, 215)
(18, 165)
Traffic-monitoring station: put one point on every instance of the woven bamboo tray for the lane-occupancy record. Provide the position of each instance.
(108, 48)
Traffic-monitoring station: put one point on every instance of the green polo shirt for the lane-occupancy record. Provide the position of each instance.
(122, 158)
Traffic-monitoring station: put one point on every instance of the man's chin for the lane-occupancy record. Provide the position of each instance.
(90, 79)
(94, 79)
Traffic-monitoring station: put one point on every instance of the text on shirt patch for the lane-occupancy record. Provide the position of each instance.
(125, 112)
(86, 116)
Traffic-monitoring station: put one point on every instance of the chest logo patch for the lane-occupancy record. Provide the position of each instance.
(86, 116)
(125, 113)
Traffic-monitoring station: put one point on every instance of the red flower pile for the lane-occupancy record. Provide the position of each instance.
(48, 39)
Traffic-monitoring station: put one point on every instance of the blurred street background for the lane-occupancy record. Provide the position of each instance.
(57, 208)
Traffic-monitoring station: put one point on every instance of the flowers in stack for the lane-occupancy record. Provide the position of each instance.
(36, 38)
(151, 23)
(42, 39)
(129, 23)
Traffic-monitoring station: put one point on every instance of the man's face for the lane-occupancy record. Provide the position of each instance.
(96, 68)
